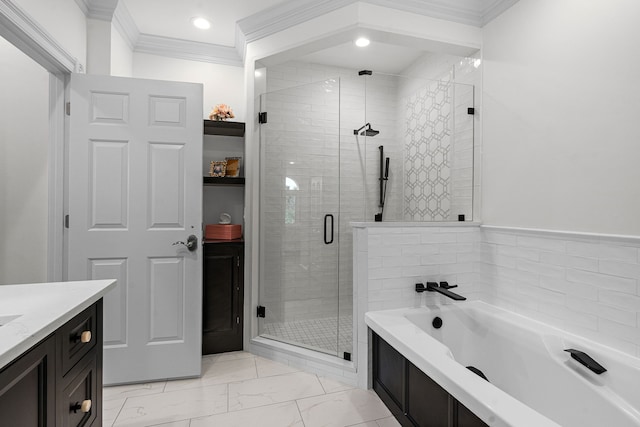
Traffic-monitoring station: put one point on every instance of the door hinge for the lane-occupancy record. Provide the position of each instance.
(237, 320)
(238, 261)
(262, 117)
(261, 311)
(67, 108)
(66, 221)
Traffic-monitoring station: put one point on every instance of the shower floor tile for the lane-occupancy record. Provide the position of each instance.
(330, 334)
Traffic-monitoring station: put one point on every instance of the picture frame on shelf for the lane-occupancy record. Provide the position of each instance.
(233, 166)
(218, 168)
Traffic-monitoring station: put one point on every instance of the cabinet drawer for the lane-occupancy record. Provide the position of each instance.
(78, 337)
(78, 402)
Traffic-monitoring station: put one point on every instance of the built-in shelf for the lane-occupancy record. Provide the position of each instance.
(223, 128)
(216, 180)
(222, 241)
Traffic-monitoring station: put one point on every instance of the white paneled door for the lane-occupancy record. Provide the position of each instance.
(135, 188)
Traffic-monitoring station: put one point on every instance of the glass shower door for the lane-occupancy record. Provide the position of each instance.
(299, 215)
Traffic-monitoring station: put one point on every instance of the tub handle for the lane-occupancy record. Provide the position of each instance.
(446, 285)
(586, 360)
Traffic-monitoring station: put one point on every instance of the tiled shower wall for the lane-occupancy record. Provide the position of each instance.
(363, 99)
(588, 284)
(427, 133)
(304, 117)
(439, 138)
(299, 186)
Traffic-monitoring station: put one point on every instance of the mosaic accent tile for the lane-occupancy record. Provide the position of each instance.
(323, 334)
(427, 139)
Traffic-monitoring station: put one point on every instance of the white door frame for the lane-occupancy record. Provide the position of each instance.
(21, 30)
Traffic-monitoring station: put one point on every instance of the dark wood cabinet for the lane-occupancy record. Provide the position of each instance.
(428, 404)
(222, 301)
(411, 396)
(27, 388)
(389, 368)
(58, 382)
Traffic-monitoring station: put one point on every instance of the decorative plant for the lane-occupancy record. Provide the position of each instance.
(221, 112)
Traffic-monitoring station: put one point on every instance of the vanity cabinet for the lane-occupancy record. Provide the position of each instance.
(58, 382)
(411, 396)
(27, 388)
(222, 299)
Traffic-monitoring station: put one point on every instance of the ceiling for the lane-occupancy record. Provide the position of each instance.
(171, 18)
(164, 27)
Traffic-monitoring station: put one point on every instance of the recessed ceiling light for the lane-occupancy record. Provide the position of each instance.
(200, 22)
(362, 42)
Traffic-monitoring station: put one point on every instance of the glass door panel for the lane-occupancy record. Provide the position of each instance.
(299, 215)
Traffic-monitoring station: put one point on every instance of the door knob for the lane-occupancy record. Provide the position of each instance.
(191, 243)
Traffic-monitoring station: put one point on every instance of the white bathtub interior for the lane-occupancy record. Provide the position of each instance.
(526, 360)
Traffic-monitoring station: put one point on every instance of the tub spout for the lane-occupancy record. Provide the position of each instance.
(434, 287)
(586, 360)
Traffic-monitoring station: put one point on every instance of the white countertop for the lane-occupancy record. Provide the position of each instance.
(42, 308)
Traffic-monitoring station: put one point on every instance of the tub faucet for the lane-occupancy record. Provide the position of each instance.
(442, 288)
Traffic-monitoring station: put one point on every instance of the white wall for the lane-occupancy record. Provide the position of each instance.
(64, 20)
(99, 54)
(561, 112)
(223, 84)
(121, 55)
(24, 124)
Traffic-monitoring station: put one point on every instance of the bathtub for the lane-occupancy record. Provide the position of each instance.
(532, 380)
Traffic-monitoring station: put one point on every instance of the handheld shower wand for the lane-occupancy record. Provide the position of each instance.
(384, 178)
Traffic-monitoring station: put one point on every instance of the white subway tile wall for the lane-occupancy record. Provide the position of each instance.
(583, 283)
(389, 259)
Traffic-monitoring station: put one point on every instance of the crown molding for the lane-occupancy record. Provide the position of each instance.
(459, 11)
(284, 15)
(275, 19)
(26, 34)
(126, 26)
(189, 50)
(98, 9)
(492, 12)
(241, 44)
(84, 6)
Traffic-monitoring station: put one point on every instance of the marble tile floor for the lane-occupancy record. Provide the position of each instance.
(243, 390)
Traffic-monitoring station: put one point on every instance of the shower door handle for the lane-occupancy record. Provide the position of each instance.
(328, 238)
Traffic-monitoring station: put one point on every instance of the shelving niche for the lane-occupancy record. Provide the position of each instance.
(223, 284)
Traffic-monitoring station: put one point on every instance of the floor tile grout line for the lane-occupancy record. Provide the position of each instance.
(120, 411)
(300, 413)
(228, 397)
(321, 385)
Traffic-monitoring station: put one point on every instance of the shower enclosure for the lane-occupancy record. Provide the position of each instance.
(321, 169)
(300, 220)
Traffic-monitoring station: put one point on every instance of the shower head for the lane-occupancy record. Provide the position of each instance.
(367, 132)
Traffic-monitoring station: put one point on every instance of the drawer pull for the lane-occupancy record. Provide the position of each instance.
(83, 337)
(84, 406)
